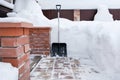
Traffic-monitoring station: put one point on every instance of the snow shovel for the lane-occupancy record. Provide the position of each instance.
(59, 49)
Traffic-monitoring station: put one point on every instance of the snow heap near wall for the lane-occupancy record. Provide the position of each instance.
(6, 4)
(7, 72)
(99, 41)
(103, 14)
(30, 10)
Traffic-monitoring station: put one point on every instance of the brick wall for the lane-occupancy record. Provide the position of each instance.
(0, 42)
(40, 40)
(14, 47)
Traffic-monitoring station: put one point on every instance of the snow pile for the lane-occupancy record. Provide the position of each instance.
(97, 40)
(91, 73)
(7, 72)
(103, 14)
(31, 11)
(6, 4)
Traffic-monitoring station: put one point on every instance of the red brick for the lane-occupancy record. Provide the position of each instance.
(16, 62)
(23, 40)
(9, 42)
(24, 67)
(26, 31)
(0, 42)
(14, 42)
(40, 40)
(11, 31)
(16, 25)
(46, 53)
(26, 75)
(26, 48)
(11, 52)
(24, 58)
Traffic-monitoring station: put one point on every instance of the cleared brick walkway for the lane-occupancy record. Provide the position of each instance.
(57, 69)
(67, 69)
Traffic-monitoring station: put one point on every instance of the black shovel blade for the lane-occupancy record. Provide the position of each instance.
(59, 49)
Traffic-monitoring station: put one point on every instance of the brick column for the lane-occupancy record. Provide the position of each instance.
(14, 47)
(40, 40)
(77, 15)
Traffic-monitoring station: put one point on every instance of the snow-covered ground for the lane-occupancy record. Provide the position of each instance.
(8, 72)
(66, 68)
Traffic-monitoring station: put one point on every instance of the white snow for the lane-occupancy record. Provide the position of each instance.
(79, 4)
(14, 19)
(8, 72)
(103, 14)
(30, 10)
(96, 40)
(6, 4)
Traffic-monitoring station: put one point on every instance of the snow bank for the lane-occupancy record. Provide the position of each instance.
(30, 10)
(6, 4)
(94, 39)
(7, 72)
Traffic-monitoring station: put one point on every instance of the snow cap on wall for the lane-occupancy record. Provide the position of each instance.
(6, 4)
(31, 11)
(103, 14)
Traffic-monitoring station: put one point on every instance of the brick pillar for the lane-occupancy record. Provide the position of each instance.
(40, 40)
(14, 47)
(76, 15)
